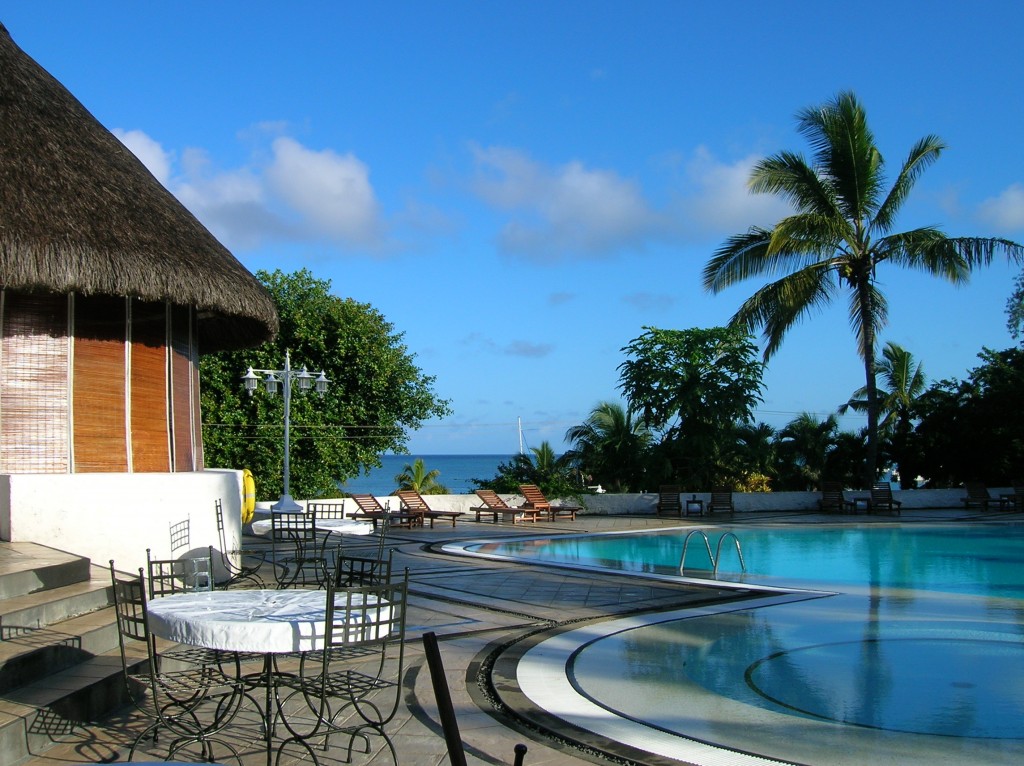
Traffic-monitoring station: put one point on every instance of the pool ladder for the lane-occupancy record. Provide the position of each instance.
(714, 557)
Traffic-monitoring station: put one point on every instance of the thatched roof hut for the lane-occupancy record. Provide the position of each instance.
(109, 290)
(80, 213)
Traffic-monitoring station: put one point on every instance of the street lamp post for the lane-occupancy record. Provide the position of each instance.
(304, 380)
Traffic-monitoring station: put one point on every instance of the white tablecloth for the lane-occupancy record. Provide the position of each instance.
(267, 621)
(329, 526)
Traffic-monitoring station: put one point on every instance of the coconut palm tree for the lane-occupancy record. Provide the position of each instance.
(838, 236)
(805, 444)
(610, 447)
(417, 478)
(902, 383)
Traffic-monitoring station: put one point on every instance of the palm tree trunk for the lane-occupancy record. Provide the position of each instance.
(871, 456)
(867, 350)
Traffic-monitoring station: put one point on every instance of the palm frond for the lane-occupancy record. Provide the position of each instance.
(927, 249)
(787, 175)
(846, 154)
(779, 305)
(741, 256)
(922, 154)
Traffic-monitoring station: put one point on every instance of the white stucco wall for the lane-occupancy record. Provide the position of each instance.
(117, 516)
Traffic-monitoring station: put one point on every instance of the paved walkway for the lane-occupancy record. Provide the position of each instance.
(476, 606)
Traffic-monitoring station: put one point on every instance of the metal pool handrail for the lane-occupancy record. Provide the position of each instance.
(713, 557)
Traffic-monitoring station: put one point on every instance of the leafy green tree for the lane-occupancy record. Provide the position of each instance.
(973, 430)
(416, 477)
(692, 387)
(804, 446)
(610, 448)
(541, 467)
(376, 393)
(757, 454)
(845, 461)
(1015, 309)
(840, 234)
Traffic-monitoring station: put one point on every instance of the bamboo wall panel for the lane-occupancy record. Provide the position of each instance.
(149, 394)
(98, 400)
(182, 361)
(34, 384)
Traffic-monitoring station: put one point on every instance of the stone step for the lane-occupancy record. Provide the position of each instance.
(31, 654)
(36, 716)
(44, 608)
(29, 568)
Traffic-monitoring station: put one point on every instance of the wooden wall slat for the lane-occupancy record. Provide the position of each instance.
(99, 416)
(34, 384)
(181, 389)
(149, 427)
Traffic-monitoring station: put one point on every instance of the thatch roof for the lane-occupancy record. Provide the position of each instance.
(80, 213)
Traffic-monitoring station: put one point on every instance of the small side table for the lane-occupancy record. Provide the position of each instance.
(861, 502)
(695, 505)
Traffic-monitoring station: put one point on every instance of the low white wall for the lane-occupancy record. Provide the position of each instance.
(615, 504)
(118, 516)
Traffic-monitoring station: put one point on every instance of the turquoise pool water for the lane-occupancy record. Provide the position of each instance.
(981, 560)
(903, 644)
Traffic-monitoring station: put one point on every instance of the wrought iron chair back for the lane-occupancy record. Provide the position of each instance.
(167, 576)
(250, 561)
(296, 551)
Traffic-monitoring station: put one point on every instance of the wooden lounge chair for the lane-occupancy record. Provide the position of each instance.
(832, 498)
(721, 500)
(977, 495)
(494, 506)
(371, 510)
(414, 503)
(535, 499)
(1015, 500)
(881, 497)
(668, 500)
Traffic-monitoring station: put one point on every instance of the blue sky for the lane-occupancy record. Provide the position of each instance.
(521, 187)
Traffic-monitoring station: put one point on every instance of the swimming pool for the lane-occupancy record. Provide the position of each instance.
(894, 643)
(980, 559)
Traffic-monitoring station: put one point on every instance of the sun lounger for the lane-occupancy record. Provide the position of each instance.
(414, 503)
(977, 495)
(668, 500)
(881, 497)
(1015, 500)
(832, 498)
(721, 500)
(535, 499)
(494, 506)
(371, 510)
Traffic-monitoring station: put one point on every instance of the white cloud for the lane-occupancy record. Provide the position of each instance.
(330, 191)
(569, 210)
(1005, 212)
(721, 202)
(232, 204)
(300, 194)
(149, 152)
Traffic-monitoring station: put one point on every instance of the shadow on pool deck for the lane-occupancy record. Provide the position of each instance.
(476, 606)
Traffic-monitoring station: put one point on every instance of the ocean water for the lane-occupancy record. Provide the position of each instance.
(457, 472)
